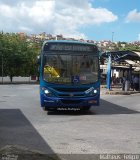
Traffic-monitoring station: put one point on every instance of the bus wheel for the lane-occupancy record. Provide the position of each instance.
(87, 108)
(44, 108)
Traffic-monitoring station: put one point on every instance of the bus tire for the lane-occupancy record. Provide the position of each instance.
(87, 108)
(44, 108)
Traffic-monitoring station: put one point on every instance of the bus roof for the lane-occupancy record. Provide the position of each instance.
(68, 41)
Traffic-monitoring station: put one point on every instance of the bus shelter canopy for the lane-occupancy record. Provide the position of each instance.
(122, 55)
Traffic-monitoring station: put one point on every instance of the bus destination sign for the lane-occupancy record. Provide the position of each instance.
(70, 47)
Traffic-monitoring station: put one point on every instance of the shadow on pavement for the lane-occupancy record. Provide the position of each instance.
(110, 108)
(15, 129)
(105, 108)
(20, 140)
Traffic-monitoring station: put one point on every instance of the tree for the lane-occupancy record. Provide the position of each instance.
(19, 56)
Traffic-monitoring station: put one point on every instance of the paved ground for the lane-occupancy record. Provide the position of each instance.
(114, 127)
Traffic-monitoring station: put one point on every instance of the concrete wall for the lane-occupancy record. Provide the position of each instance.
(18, 79)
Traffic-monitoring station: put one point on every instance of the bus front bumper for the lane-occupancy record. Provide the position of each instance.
(55, 102)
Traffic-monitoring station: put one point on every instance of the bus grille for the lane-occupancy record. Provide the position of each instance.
(70, 95)
(71, 92)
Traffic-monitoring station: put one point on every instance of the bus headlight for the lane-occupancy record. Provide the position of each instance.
(95, 91)
(47, 92)
(92, 91)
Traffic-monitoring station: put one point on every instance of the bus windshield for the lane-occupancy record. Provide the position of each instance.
(60, 68)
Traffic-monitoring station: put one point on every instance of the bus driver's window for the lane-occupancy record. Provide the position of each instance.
(49, 71)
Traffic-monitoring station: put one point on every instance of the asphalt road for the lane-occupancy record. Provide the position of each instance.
(114, 127)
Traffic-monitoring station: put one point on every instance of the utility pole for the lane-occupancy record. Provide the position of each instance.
(2, 67)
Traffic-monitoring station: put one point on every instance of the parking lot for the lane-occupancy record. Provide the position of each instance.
(113, 127)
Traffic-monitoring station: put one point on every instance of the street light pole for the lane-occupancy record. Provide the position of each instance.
(112, 36)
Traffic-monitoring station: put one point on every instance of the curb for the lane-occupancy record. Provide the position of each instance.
(119, 92)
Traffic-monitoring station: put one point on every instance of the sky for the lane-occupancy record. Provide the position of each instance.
(114, 20)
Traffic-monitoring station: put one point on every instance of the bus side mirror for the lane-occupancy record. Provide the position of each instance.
(38, 61)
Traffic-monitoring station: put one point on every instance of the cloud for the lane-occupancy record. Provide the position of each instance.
(52, 16)
(133, 16)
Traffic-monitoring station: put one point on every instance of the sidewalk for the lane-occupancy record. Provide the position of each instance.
(117, 91)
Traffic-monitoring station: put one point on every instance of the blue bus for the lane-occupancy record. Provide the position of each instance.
(69, 75)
